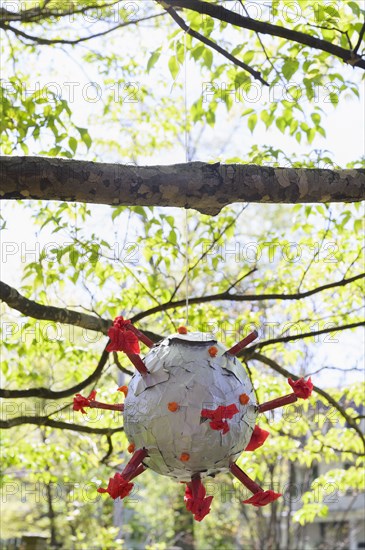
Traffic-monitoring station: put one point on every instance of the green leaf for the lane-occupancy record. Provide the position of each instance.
(251, 122)
(237, 49)
(24, 147)
(355, 8)
(210, 117)
(72, 142)
(197, 111)
(85, 136)
(117, 211)
(172, 237)
(293, 126)
(180, 52)
(174, 66)
(208, 58)
(281, 123)
(311, 134)
(241, 78)
(266, 118)
(153, 59)
(290, 67)
(332, 12)
(248, 56)
(358, 225)
(197, 51)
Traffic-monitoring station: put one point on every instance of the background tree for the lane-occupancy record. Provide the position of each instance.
(293, 272)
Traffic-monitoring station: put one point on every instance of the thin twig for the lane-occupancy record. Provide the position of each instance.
(49, 42)
(361, 36)
(276, 367)
(213, 45)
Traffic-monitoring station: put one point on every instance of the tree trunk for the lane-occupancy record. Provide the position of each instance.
(205, 187)
(51, 515)
(183, 524)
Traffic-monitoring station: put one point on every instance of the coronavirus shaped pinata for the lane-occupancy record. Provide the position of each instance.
(189, 412)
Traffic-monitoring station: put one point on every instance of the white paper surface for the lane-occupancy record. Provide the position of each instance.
(182, 371)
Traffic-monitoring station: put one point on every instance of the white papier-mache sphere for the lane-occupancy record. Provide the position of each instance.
(182, 371)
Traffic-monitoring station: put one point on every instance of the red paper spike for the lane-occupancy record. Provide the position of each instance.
(138, 471)
(118, 486)
(80, 403)
(130, 471)
(195, 499)
(258, 438)
(124, 325)
(247, 481)
(107, 406)
(122, 339)
(302, 388)
(279, 402)
(138, 363)
(243, 343)
(262, 498)
(142, 337)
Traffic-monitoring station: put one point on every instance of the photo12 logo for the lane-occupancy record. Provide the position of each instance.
(270, 252)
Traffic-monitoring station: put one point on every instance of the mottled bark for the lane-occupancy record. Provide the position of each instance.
(205, 187)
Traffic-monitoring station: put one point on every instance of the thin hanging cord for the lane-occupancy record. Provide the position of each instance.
(187, 268)
(186, 211)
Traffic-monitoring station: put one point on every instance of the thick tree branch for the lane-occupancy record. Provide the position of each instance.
(217, 11)
(46, 421)
(11, 296)
(214, 46)
(62, 315)
(224, 296)
(276, 367)
(205, 187)
(46, 393)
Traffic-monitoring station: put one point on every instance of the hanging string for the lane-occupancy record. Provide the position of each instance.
(187, 159)
(187, 268)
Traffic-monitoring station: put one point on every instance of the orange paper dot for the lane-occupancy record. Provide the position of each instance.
(131, 448)
(182, 330)
(173, 406)
(124, 389)
(184, 457)
(213, 351)
(244, 399)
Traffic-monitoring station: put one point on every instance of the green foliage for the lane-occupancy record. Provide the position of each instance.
(151, 272)
(105, 261)
(24, 116)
